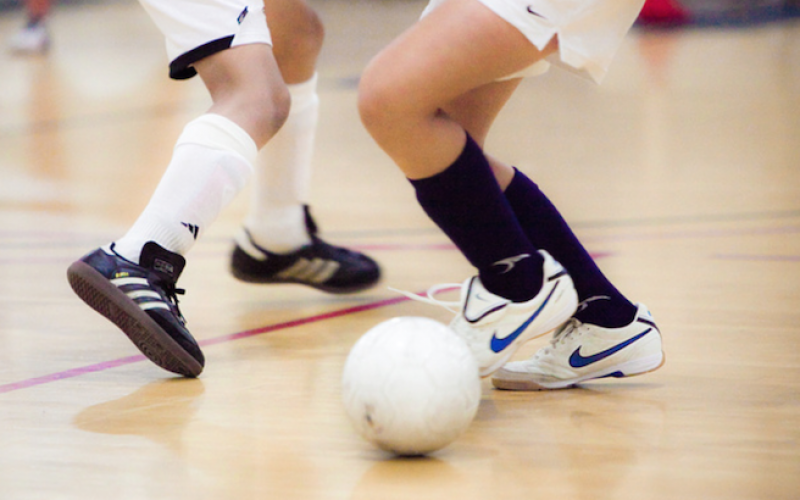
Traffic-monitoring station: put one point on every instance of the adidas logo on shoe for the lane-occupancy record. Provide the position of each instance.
(141, 299)
(319, 265)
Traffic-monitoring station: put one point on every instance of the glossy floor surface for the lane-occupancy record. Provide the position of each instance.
(680, 174)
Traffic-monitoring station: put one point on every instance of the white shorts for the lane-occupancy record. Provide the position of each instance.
(589, 31)
(195, 29)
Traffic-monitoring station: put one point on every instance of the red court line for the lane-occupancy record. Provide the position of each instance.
(114, 363)
(107, 365)
(302, 321)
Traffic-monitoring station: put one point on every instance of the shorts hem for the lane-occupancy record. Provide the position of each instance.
(181, 68)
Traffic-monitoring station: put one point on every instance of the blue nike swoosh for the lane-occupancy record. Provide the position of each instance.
(578, 361)
(498, 345)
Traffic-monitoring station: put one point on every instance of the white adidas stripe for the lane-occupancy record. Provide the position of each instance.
(314, 271)
(139, 294)
(136, 294)
(331, 266)
(310, 269)
(153, 305)
(120, 282)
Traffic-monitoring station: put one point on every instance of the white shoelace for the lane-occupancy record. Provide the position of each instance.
(453, 306)
(561, 335)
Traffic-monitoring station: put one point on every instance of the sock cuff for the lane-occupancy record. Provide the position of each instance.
(470, 167)
(217, 132)
(303, 94)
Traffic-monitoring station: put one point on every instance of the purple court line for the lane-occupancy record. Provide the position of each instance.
(404, 246)
(65, 261)
(200, 255)
(787, 229)
(769, 258)
(710, 233)
(107, 365)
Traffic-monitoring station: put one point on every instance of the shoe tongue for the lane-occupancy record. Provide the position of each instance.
(162, 261)
(479, 302)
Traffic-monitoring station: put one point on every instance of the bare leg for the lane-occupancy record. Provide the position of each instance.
(476, 111)
(437, 61)
(246, 87)
(279, 233)
(277, 217)
(297, 36)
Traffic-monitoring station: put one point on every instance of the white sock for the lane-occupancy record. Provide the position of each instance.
(211, 163)
(276, 219)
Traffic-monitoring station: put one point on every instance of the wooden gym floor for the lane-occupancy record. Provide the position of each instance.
(680, 173)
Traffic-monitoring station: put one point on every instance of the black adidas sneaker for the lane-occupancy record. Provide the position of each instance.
(319, 265)
(142, 301)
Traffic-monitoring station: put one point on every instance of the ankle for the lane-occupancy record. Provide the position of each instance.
(606, 312)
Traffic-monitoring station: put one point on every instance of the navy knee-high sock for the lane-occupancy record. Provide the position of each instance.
(466, 202)
(546, 229)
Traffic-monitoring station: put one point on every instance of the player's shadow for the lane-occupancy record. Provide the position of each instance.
(159, 411)
(164, 412)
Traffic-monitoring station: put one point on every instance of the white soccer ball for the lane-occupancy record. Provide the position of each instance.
(411, 386)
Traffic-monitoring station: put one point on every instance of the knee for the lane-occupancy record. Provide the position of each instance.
(268, 110)
(279, 104)
(378, 104)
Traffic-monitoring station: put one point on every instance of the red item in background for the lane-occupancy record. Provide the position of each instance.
(663, 12)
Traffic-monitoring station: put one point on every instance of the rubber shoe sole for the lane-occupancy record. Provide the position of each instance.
(105, 298)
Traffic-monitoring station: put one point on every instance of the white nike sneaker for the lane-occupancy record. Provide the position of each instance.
(581, 351)
(494, 327)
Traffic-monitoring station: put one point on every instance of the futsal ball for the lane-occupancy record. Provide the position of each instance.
(411, 386)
